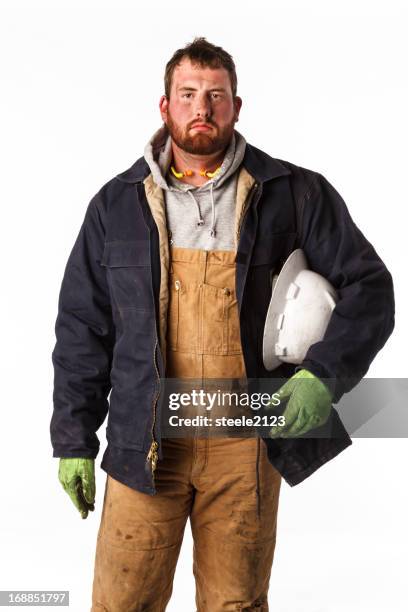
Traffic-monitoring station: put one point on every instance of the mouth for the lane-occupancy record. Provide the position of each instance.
(201, 127)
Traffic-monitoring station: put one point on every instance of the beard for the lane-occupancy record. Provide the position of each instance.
(200, 143)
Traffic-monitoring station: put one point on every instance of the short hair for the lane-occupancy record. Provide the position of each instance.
(206, 55)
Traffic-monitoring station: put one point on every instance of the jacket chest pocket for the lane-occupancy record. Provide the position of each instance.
(203, 318)
(268, 256)
(129, 273)
(273, 249)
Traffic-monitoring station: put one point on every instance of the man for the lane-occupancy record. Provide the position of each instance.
(170, 276)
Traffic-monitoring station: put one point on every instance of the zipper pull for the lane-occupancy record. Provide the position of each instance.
(152, 455)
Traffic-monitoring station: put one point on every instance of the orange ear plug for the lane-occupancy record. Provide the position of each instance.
(211, 174)
(203, 172)
(178, 175)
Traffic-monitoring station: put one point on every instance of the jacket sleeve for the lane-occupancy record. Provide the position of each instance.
(84, 343)
(363, 318)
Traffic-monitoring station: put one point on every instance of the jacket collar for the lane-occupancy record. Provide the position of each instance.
(258, 163)
(262, 166)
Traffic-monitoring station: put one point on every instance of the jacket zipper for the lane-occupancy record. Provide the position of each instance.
(152, 455)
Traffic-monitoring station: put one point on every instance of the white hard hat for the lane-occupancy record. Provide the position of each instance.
(299, 312)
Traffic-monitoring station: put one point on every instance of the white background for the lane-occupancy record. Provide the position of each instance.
(324, 86)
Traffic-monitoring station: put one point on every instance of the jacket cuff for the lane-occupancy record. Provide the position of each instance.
(74, 454)
(322, 374)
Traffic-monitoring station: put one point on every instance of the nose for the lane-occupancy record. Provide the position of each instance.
(203, 107)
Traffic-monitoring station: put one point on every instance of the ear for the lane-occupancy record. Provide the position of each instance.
(163, 106)
(237, 106)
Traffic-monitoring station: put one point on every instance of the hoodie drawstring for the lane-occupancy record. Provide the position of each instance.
(200, 219)
(212, 230)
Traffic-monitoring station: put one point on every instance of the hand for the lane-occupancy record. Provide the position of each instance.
(308, 407)
(77, 476)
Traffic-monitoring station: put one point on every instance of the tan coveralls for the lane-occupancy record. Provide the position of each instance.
(226, 486)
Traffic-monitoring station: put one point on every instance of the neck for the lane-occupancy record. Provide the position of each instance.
(183, 160)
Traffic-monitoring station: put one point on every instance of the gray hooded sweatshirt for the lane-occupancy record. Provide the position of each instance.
(197, 217)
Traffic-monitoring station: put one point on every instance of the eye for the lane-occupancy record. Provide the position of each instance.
(186, 94)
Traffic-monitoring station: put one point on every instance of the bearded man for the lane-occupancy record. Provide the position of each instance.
(170, 277)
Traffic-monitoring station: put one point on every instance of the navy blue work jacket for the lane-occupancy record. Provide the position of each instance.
(107, 360)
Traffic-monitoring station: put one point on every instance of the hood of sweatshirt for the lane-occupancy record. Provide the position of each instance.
(158, 155)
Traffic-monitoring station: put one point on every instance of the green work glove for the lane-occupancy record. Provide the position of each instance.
(308, 406)
(77, 476)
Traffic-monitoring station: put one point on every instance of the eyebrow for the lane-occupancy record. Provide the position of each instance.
(195, 89)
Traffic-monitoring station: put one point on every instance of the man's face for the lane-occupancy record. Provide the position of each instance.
(200, 95)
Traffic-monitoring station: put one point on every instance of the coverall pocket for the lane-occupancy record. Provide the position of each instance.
(183, 315)
(234, 332)
(220, 311)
